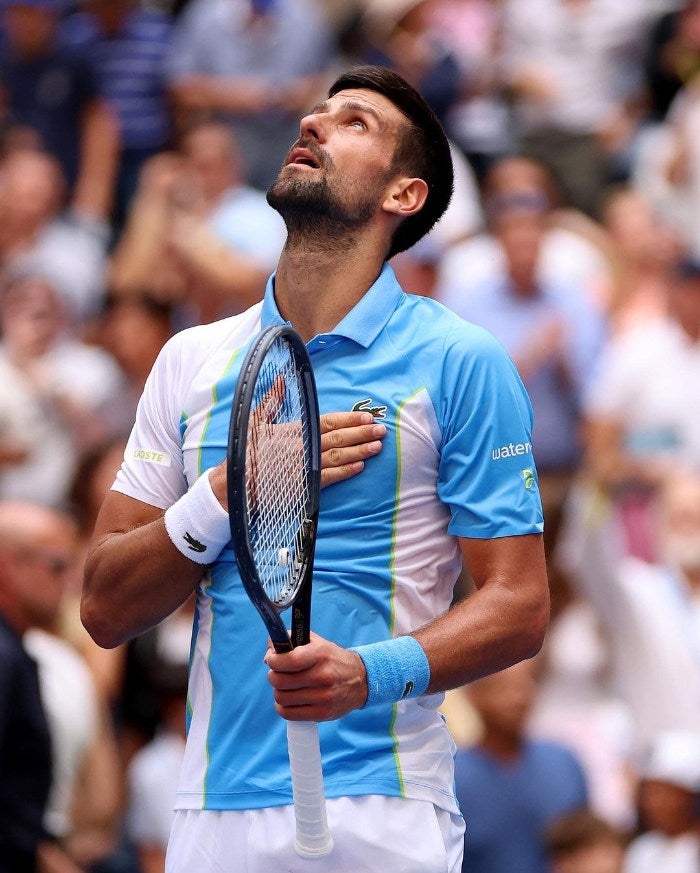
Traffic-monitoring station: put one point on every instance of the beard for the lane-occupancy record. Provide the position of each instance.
(313, 209)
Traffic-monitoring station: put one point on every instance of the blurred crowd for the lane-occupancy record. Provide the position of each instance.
(137, 140)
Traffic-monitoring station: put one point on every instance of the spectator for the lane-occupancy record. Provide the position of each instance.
(644, 250)
(650, 613)
(669, 792)
(552, 332)
(46, 88)
(563, 63)
(36, 232)
(572, 250)
(125, 46)
(643, 408)
(510, 786)
(54, 387)
(133, 329)
(673, 57)
(479, 120)
(235, 60)
(152, 779)
(583, 842)
(400, 35)
(198, 234)
(83, 804)
(25, 742)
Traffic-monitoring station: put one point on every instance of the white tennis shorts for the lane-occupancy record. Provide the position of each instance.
(372, 834)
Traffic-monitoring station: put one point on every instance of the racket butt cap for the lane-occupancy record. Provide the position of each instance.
(324, 847)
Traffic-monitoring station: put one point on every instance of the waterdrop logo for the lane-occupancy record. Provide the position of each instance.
(528, 478)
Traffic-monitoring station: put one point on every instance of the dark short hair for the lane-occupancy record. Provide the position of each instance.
(423, 149)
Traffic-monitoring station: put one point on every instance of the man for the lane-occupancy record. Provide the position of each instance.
(46, 89)
(511, 785)
(368, 176)
(237, 61)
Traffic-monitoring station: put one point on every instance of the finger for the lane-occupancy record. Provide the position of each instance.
(331, 475)
(268, 407)
(352, 436)
(335, 420)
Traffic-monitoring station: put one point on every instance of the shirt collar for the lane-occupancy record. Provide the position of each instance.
(366, 319)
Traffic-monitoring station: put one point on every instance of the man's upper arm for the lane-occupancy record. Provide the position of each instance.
(516, 562)
(120, 513)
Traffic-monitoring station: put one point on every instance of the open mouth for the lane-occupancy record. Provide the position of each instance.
(303, 158)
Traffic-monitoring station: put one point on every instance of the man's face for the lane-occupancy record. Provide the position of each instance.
(339, 169)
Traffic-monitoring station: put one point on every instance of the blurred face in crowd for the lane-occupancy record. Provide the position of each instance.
(667, 808)
(680, 522)
(521, 235)
(37, 550)
(30, 30)
(685, 304)
(31, 317)
(212, 159)
(504, 700)
(31, 189)
(606, 857)
(134, 335)
(637, 232)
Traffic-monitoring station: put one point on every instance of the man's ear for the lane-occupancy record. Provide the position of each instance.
(406, 197)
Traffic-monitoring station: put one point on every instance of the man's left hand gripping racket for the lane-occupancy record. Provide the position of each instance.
(274, 482)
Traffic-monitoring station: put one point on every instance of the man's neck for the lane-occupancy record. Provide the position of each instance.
(318, 283)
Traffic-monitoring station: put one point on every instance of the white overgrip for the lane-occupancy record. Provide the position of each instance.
(313, 838)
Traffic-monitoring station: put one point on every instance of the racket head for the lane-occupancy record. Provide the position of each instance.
(274, 479)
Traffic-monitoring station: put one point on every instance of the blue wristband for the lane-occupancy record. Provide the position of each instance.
(396, 669)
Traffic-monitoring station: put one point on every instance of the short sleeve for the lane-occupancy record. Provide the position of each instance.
(152, 470)
(487, 474)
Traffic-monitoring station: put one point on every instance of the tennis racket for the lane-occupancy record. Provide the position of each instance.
(274, 482)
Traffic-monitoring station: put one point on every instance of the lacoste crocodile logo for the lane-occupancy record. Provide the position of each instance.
(366, 406)
(194, 544)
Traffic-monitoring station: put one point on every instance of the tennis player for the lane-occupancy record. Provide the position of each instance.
(454, 481)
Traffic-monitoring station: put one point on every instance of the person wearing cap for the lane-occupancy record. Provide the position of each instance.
(669, 807)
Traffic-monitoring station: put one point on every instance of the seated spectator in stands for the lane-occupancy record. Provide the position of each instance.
(643, 408)
(554, 335)
(53, 390)
(649, 613)
(583, 842)
(672, 57)
(236, 60)
(25, 741)
(153, 777)
(510, 786)
(83, 809)
(125, 46)
(132, 329)
(644, 250)
(577, 103)
(573, 250)
(197, 233)
(46, 88)
(36, 232)
(669, 794)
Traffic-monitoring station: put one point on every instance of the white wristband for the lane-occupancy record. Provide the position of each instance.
(198, 524)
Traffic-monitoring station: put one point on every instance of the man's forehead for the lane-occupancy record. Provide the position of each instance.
(365, 98)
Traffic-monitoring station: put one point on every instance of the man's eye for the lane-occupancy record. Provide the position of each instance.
(359, 123)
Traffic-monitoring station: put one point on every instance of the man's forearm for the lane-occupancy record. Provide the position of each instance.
(133, 580)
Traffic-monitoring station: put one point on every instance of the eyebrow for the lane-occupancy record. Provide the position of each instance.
(348, 105)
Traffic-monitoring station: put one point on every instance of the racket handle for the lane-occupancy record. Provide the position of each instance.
(313, 839)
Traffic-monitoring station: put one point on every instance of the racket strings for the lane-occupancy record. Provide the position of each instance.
(278, 489)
